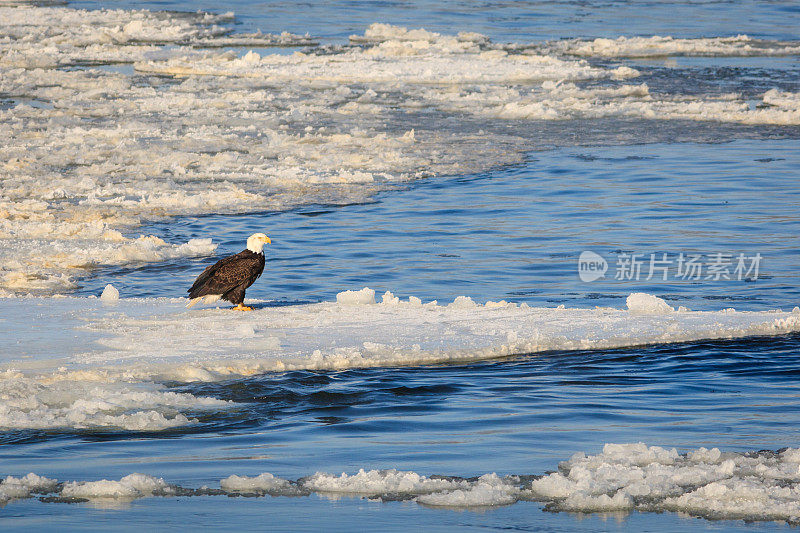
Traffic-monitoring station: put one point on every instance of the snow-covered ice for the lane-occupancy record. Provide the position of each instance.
(380, 482)
(129, 487)
(657, 46)
(710, 483)
(12, 488)
(263, 483)
(487, 491)
(102, 365)
(109, 294)
(702, 482)
(90, 154)
(640, 303)
(364, 296)
(94, 147)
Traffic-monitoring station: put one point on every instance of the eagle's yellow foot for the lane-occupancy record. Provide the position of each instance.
(241, 307)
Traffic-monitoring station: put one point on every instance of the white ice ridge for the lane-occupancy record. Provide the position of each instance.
(129, 487)
(47, 37)
(708, 483)
(656, 46)
(90, 154)
(568, 101)
(101, 365)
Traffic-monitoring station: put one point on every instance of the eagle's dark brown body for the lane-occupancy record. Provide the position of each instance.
(229, 277)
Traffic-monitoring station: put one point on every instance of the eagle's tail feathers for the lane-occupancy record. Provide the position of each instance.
(207, 299)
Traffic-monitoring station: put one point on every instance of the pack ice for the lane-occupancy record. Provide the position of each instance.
(702, 482)
(95, 146)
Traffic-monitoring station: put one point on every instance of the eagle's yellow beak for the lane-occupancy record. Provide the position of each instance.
(266, 240)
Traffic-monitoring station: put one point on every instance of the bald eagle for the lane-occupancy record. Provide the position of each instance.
(228, 278)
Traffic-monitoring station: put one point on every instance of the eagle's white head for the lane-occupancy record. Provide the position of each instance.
(256, 242)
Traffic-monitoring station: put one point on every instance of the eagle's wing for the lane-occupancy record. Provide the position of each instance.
(224, 275)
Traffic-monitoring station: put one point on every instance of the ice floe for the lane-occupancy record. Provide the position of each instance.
(264, 483)
(12, 488)
(487, 491)
(45, 37)
(109, 294)
(657, 46)
(129, 487)
(710, 483)
(380, 482)
(641, 303)
(702, 482)
(94, 149)
(567, 101)
(101, 366)
(88, 402)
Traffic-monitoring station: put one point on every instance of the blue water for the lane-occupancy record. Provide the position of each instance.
(516, 234)
(516, 416)
(512, 233)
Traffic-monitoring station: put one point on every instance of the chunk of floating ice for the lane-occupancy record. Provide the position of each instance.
(478, 496)
(703, 482)
(13, 487)
(129, 487)
(657, 46)
(363, 297)
(379, 482)
(707, 483)
(641, 303)
(110, 294)
(489, 490)
(265, 482)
